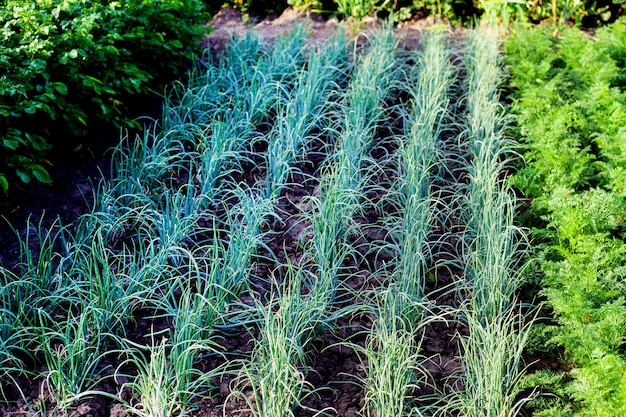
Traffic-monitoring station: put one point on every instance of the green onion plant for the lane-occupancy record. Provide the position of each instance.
(391, 357)
(392, 351)
(276, 370)
(304, 112)
(492, 248)
(155, 385)
(71, 350)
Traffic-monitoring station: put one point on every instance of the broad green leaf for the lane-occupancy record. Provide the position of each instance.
(38, 142)
(24, 176)
(176, 44)
(41, 174)
(106, 109)
(60, 87)
(11, 143)
(4, 184)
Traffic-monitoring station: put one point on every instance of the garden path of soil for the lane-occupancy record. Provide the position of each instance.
(71, 196)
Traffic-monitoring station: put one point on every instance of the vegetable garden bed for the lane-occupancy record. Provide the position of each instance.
(310, 229)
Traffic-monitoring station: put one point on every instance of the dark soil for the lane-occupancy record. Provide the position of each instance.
(74, 181)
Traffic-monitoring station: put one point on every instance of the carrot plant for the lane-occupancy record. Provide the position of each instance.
(569, 94)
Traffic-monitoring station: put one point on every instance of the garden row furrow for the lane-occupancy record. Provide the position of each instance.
(275, 370)
(277, 367)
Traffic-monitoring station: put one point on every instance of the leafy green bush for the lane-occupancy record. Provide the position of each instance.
(582, 12)
(66, 64)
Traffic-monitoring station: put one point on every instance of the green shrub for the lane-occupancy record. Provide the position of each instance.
(67, 64)
(585, 12)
